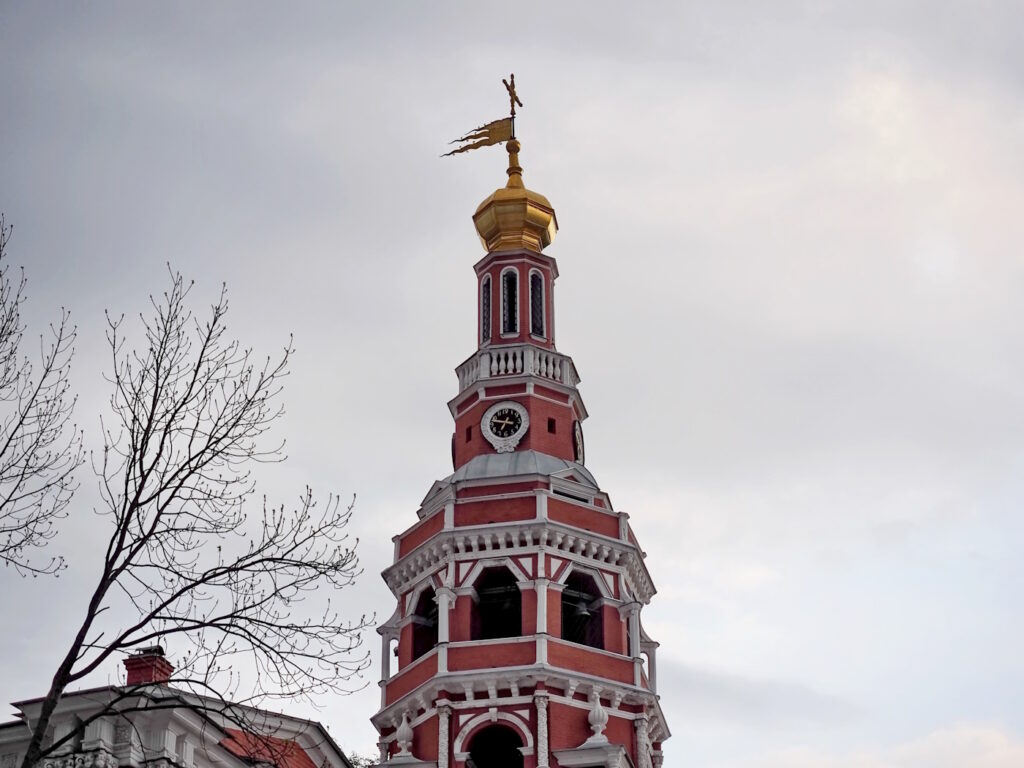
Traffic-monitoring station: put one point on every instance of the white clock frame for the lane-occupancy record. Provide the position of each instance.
(505, 444)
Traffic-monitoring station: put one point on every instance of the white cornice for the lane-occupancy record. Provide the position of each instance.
(523, 537)
(524, 678)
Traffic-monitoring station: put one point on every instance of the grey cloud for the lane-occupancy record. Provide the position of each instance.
(700, 693)
(791, 280)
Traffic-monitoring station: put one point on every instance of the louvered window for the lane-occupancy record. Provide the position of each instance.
(536, 304)
(485, 310)
(509, 302)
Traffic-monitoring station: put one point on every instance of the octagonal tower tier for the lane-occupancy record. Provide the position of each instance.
(517, 640)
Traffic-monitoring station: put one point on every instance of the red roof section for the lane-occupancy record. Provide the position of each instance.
(284, 753)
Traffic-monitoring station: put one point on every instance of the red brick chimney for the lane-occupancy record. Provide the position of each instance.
(148, 665)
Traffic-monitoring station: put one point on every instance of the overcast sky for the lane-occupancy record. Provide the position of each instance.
(791, 278)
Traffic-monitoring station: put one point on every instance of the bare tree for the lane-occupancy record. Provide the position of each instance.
(39, 447)
(186, 557)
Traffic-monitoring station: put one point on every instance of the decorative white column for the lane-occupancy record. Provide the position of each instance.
(651, 649)
(541, 587)
(630, 612)
(385, 657)
(634, 628)
(540, 700)
(444, 714)
(445, 597)
(643, 745)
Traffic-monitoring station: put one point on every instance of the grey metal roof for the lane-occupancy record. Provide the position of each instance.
(515, 464)
(490, 465)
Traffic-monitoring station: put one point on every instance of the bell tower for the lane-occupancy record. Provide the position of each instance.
(517, 639)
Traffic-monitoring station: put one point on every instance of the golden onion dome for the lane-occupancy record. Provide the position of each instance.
(514, 217)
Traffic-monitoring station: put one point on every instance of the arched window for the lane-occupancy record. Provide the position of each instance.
(424, 624)
(495, 746)
(510, 301)
(537, 304)
(582, 617)
(499, 607)
(485, 310)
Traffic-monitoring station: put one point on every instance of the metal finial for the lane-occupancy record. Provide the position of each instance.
(513, 97)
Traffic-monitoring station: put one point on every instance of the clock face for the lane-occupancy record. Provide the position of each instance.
(577, 442)
(505, 422)
(504, 425)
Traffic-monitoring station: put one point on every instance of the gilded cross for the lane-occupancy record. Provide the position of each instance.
(513, 98)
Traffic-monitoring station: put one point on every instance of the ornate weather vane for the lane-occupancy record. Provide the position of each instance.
(495, 131)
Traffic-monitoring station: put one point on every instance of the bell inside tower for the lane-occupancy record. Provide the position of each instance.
(582, 619)
(499, 610)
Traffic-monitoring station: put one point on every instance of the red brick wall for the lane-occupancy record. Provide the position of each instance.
(425, 739)
(405, 645)
(537, 436)
(551, 393)
(500, 488)
(614, 630)
(582, 659)
(420, 533)
(495, 511)
(410, 678)
(508, 654)
(555, 612)
(529, 611)
(581, 517)
(567, 726)
(461, 619)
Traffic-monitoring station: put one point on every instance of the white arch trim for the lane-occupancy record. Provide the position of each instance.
(494, 562)
(596, 574)
(517, 723)
(411, 598)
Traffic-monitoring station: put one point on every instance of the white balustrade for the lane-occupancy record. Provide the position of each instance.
(515, 360)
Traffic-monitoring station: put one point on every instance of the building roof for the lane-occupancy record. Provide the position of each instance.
(283, 751)
(517, 463)
(254, 747)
